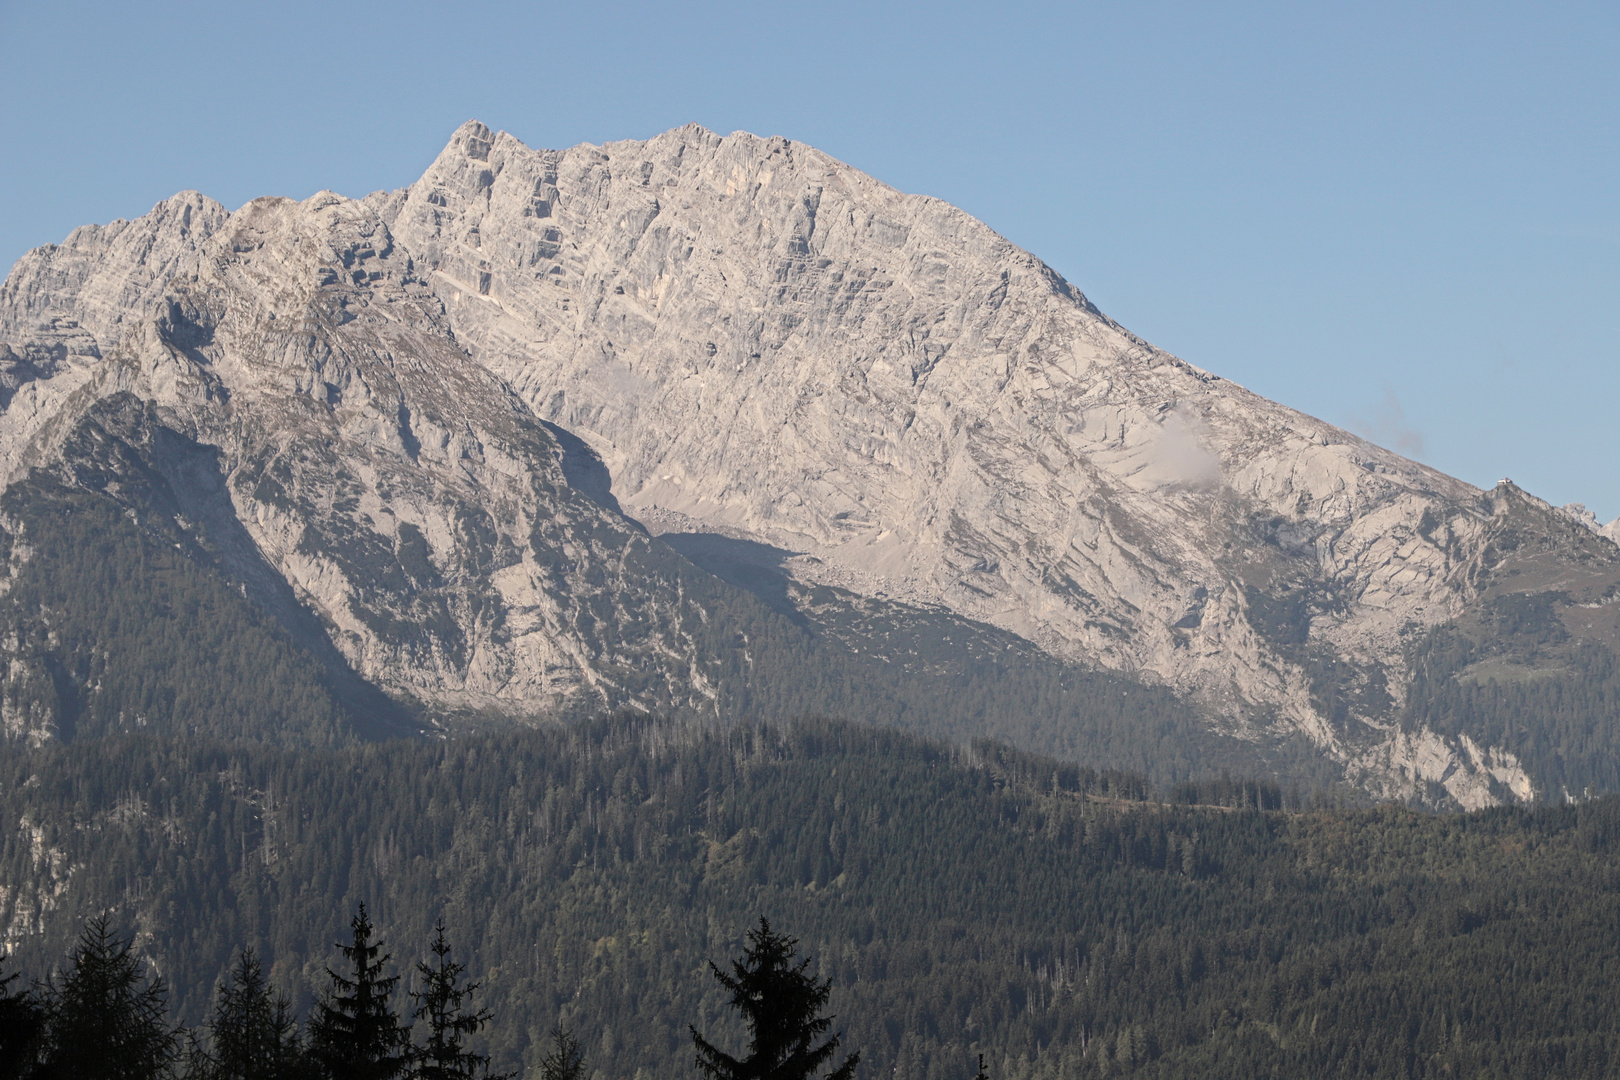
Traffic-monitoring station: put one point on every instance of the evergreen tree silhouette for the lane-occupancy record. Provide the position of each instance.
(355, 1034)
(779, 1001)
(105, 1020)
(565, 1062)
(444, 1003)
(22, 1025)
(252, 1029)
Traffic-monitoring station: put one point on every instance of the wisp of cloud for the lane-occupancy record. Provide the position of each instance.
(1388, 426)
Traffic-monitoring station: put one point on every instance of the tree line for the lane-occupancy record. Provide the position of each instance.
(103, 1018)
(125, 621)
(971, 900)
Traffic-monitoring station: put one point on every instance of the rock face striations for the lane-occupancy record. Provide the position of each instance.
(297, 387)
(441, 424)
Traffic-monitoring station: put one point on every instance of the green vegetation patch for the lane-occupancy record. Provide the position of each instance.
(121, 624)
(962, 901)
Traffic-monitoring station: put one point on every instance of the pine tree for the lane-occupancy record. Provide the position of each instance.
(444, 1003)
(779, 1001)
(22, 1024)
(565, 1062)
(252, 1029)
(355, 1034)
(105, 1020)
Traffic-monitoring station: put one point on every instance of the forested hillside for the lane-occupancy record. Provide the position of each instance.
(974, 901)
(1517, 677)
(126, 612)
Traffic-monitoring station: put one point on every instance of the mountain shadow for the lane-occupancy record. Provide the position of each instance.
(584, 468)
(749, 565)
(139, 601)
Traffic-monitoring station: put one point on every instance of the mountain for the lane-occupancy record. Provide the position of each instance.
(721, 425)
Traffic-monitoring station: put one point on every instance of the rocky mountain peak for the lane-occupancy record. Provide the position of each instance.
(912, 404)
(448, 417)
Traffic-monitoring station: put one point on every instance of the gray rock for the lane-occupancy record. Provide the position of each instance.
(760, 340)
(745, 338)
(406, 494)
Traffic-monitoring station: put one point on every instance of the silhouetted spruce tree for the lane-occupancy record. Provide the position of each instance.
(22, 1024)
(444, 1003)
(565, 1062)
(355, 1034)
(779, 1001)
(104, 1019)
(251, 1033)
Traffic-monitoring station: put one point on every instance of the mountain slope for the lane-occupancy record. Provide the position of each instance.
(881, 447)
(344, 454)
(762, 342)
(276, 443)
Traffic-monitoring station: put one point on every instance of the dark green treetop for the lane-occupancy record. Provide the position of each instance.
(22, 1023)
(355, 1033)
(566, 1061)
(106, 1020)
(253, 1034)
(444, 1002)
(780, 1002)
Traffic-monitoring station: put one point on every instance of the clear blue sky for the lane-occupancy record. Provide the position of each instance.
(1403, 218)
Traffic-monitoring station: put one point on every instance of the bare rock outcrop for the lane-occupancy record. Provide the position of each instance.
(757, 338)
(745, 337)
(298, 381)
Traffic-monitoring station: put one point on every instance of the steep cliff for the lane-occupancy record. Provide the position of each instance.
(509, 442)
(761, 341)
(294, 394)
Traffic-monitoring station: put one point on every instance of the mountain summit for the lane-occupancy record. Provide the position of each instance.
(536, 432)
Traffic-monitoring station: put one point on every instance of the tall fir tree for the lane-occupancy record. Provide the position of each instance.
(355, 1033)
(252, 1032)
(105, 1019)
(445, 1004)
(780, 1002)
(566, 1061)
(22, 1024)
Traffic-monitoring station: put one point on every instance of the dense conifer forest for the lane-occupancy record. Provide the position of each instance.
(962, 901)
(1527, 686)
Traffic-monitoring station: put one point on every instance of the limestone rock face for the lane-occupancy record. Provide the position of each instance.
(288, 371)
(1578, 512)
(760, 340)
(745, 337)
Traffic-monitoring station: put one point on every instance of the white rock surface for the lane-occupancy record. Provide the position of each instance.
(760, 341)
(396, 485)
(764, 340)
